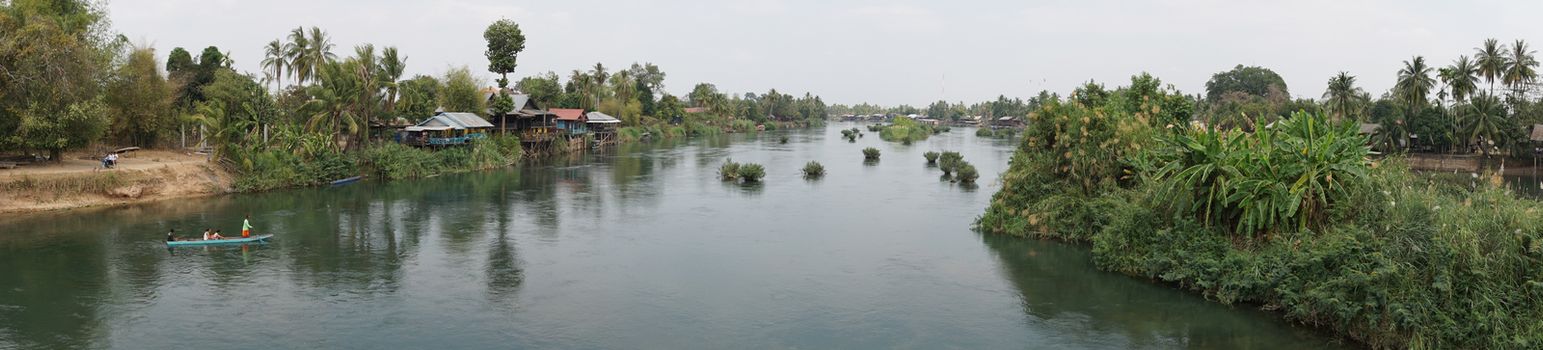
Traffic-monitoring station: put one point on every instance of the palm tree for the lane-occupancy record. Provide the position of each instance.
(321, 47)
(1461, 78)
(391, 69)
(299, 54)
(1343, 99)
(366, 68)
(334, 98)
(1522, 69)
(1414, 83)
(274, 62)
(1492, 61)
(1484, 121)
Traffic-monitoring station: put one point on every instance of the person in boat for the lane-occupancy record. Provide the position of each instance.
(216, 235)
(171, 236)
(246, 226)
(207, 232)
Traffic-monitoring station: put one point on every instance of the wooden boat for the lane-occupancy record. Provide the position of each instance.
(346, 181)
(236, 240)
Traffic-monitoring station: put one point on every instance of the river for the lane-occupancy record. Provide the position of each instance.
(637, 247)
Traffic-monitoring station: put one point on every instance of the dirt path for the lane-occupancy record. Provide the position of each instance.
(141, 176)
(139, 160)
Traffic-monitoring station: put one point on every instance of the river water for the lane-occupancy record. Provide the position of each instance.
(637, 247)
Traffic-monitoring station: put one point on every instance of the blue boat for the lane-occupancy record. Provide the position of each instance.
(253, 239)
(350, 180)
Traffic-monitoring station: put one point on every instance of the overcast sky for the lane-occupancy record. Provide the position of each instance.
(885, 52)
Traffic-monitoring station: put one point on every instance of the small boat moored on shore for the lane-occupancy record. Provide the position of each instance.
(253, 239)
(346, 181)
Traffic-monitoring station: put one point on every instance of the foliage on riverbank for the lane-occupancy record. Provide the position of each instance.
(999, 133)
(270, 169)
(1292, 217)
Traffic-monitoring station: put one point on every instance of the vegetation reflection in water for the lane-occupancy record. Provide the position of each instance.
(637, 247)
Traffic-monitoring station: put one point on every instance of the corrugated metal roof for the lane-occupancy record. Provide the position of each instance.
(1369, 128)
(601, 118)
(468, 120)
(456, 120)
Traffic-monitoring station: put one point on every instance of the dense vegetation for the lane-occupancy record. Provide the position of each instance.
(1294, 217)
(905, 130)
(312, 114)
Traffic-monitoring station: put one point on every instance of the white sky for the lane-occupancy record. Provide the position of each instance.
(885, 52)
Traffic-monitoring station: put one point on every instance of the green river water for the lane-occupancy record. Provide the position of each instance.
(636, 247)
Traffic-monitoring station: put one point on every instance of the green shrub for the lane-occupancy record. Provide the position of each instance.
(783, 140)
(729, 171)
(906, 131)
(967, 173)
(984, 132)
(814, 169)
(742, 125)
(948, 162)
(932, 157)
(870, 153)
(752, 172)
(629, 134)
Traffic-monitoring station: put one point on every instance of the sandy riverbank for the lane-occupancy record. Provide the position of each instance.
(143, 176)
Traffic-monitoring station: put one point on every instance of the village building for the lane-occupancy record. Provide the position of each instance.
(571, 122)
(445, 129)
(528, 120)
(602, 126)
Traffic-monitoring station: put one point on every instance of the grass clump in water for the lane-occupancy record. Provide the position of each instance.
(932, 157)
(814, 169)
(729, 171)
(871, 153)
(751, 172)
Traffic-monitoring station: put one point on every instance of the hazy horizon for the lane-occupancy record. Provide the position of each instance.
(887, 53)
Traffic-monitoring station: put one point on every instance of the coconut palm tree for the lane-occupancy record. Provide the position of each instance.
(1522, 70)
(321, 47)
(1343, 99)
(299, 54)
(1461, 78)
(333, 105)
(274, 62)
(1414, 83)
(1483, 121)
(1491, 61)
(391, 69)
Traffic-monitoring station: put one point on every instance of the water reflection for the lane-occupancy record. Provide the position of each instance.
(1056, 290)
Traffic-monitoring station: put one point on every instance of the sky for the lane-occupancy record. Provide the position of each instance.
(882, 52)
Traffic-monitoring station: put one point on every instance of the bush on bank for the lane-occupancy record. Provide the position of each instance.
(1294, 218)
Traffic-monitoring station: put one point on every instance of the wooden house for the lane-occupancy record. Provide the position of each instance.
(445, 129)
(527, 120)
(602, 125)
(571, 122)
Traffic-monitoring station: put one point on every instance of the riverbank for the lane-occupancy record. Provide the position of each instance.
(156, 175)
(140, 177)
(1295, 219)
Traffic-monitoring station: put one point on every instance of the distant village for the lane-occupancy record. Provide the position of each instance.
(973, 120)
(537, 127)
